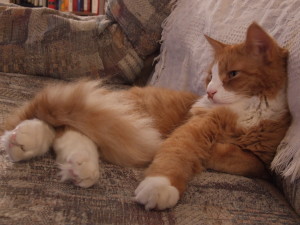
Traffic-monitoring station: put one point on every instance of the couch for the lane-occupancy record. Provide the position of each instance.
(39, 46)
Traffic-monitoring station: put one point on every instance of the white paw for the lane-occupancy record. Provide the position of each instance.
(29, 139)
(80, 169)
(78, 158)
(156, 193)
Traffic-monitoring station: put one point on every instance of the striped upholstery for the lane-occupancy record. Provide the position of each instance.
(142, 29)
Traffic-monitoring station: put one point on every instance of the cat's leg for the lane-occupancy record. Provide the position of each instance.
(29, 139)
(178, 159)
(77, 157)
(231, 159)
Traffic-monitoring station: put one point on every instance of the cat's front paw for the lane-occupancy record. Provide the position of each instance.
(82, 171)
(156, 193)
(29, 139)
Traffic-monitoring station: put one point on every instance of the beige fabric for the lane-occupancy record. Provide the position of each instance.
(141, 21)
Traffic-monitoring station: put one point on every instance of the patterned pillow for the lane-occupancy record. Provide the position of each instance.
(141, 21)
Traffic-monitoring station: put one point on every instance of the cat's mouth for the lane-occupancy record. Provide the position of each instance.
(213, 100)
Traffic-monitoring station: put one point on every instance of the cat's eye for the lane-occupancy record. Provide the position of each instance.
(22, 148)
(209, 76)
(233, 73)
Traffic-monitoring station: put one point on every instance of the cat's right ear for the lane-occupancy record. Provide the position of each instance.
(258, 42)
(217, 46)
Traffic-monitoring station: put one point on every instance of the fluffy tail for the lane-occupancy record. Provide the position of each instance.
(110, 119)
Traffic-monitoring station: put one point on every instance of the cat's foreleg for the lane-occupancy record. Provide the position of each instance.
(77, 157)
(29, 139)
(178, 159)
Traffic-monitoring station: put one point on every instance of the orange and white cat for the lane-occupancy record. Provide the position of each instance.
(235, 128)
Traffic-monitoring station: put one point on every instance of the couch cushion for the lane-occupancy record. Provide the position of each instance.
(186, 55)
(15, 89)
(45, 42)
(30, 192)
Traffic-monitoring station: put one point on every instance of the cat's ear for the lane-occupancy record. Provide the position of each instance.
(258, 42)
(217, 46)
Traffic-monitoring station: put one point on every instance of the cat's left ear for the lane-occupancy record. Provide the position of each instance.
(258, 42)
(217, 46)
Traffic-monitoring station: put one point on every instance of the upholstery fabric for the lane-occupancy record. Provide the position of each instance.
(186, 55)
(141, 21)
(46, 42)
(30, 192)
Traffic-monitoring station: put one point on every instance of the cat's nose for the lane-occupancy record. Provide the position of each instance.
(211, 94)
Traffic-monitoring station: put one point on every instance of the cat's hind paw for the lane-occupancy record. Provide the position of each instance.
(29, 139)
(80, 170)
(156, 193)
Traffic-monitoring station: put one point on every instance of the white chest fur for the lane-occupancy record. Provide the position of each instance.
(255, 109)
(252, 110)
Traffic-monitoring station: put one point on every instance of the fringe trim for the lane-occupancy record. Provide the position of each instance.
(287, 161)
(166, 26)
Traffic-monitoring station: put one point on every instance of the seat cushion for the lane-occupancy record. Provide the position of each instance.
(31, 191)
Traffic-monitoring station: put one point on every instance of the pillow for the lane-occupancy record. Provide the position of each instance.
(46, 42)
(141, 21)
(185, 55)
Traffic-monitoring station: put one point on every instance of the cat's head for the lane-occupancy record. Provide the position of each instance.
(256, 67)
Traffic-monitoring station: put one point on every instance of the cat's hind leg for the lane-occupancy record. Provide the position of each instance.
(29, 139)
(231, 159)
(78, 158)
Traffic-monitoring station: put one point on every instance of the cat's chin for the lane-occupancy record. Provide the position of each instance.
(207, 102)
(213, 101)
(216, 101)
(224, 101)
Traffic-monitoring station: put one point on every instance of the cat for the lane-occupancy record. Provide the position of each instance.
(234, 128)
